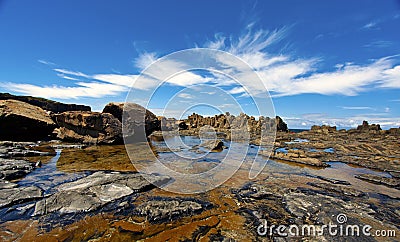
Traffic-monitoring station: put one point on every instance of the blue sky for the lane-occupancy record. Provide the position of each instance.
(323, 62)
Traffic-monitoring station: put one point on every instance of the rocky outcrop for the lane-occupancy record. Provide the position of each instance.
(46, 104)
(365, 127)
(88, 127)
(226, 122)
(138, 121)
(23, 121)
(323, 129)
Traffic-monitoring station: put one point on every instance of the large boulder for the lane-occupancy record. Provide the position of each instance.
(22, 121)
(88, 127)
(49, 105)
(138, 121)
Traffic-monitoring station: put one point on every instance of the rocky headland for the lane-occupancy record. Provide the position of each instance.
(65, 175)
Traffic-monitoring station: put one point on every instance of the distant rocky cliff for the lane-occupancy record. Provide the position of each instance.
(226, 121)
(46, 104)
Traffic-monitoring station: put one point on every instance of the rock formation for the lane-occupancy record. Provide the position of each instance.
(365, 127)
(23, 121)
(88, 127)
(228, 121)
(323, 129)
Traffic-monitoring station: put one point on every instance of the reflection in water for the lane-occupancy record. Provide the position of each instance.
(48, 176)
(203, 161)
(53, 173)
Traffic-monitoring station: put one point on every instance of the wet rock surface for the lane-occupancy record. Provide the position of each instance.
(94, 191)
(11, 169)
(121, 206)
(367, 146)
(391, 182)
(9, 149)
(213, 145)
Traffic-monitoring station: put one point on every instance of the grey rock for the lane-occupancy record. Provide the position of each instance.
(14, 195)
(11, 169)
(94, 191)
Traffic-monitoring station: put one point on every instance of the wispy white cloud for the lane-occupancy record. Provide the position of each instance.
(49, 63)
(379, 44)
(371, 25)
(356, 108)
(185, 95)
(82, 89)
(249, 42)
(237, 90)
(67, 77)
(72, 73)
(374, 24)
(282, 74)
(120, 80)
(286, 75)
(145, 59)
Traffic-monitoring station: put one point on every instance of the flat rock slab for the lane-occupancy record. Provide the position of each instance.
(12, 194)
(94, 191)
(11, 169)
(390, 182)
